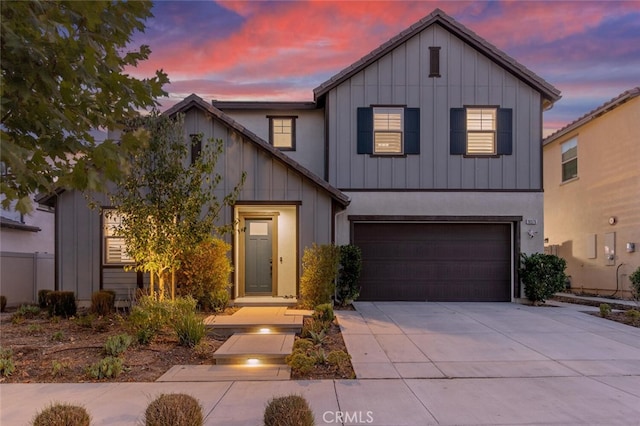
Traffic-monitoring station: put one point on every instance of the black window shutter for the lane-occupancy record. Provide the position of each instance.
(505, 131)
(412, 130)
(365, 130)
(458, 134)
(434, 61)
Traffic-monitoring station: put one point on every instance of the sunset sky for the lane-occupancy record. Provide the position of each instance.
(264, 50)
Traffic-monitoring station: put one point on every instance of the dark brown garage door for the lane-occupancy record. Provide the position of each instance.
(435, 261)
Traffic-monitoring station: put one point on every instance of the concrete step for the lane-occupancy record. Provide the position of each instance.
(256, 320)
(228, 372)
(253, 349)
(250, 301)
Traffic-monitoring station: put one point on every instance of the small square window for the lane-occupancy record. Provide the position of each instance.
(388, 126)
(282, 132)
(569, 159)
(481, 131)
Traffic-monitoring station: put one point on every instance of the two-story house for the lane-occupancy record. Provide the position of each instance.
(592, 196)
(426, 153)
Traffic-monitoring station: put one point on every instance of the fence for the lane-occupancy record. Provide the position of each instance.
(23, 274)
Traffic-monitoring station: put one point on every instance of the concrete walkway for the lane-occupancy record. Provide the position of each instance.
(451, 363)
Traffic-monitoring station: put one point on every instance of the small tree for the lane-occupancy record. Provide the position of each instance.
(347, 288)
(168, 204)
(542, 275)
(319, 270)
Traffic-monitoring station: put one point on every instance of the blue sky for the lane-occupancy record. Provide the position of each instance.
(266, 50)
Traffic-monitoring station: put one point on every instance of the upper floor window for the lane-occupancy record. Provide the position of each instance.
(115, 248)
(481, 131)
(388, 130)
(569, 159)
(282, 132)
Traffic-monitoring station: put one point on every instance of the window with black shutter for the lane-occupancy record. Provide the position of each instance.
(481, 131)
(388, 131)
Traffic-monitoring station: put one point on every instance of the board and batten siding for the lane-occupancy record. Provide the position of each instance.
(402, 78)
(268, 179)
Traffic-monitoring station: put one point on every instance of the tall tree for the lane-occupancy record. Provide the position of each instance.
(167, 203)
(63, 75)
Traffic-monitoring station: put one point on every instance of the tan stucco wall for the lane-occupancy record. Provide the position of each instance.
(608, 185)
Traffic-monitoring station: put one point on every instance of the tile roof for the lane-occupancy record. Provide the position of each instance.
(194, 100)
(597, 112)
(550, 93)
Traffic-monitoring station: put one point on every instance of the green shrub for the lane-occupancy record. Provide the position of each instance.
(174, 409)
(57, 367)
(103, 302)
(205, 270)
(116, 345)
(605, 310)
(57, 336)
(542, 275)
(216, 301)
(107, 368)
(339, 358)
(347, 288)
(3, 303)
(311, 325)
(317, 338)
(319, 270)
(42, 298)
(61, 303)
(635, 284)
(324, 313)
(190, 329)
(27, 311)
(60, 414)
(85, 321)
(290, 410)
(633, 315)
(302, 345)
(184, 305)
(7, 366)
(300, 362)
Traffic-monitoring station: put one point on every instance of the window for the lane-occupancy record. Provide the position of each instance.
(570, 159)
(115, 249)
(481, 131)
(282, 132)
(388, 131)
(434, 61)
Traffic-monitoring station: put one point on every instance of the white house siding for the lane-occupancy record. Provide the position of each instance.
(309, 150)
(402, 78)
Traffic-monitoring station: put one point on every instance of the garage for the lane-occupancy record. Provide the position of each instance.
(464, 262)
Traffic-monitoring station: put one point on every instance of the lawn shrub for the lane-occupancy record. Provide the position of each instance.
(58, 336)
(605, 310)
(324, 313)
(290, 410)
(3, 303)
(42, 298)
(542, 275)
(60, 414)
(107, 368)
(300, 362)
(339, 358)
(204, 273)
(319, 271)
(347, 288)
(311, 325)
(302, 345)
(117, 345)
(174, 409)
(103, 302)
(190, 329)
(58, 367)
(61, 303)
(7, 366)
(635, 284)
(633, 315)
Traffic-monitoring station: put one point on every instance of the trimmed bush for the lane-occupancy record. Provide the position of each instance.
(190, 329)
(635, 284)
(117, 345)
(347, 288)
(605, 310)
(300, 362)
(7, 366)
(60, 414)
(302, 345)
(319, 271)
(103, 302)
(61, 303)
(42, 298)
(290, 410)
(174, 409)
(3, 303)
(339, 358)
(204, 273)
(107, 368)
(542, 275)
(324, 313)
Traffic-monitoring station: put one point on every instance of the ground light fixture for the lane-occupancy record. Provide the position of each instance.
(253, 362)
(265, 330)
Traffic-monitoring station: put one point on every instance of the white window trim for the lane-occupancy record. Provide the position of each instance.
(564, 147)
(491, 132)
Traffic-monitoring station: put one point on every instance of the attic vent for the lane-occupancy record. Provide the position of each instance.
(434, 61)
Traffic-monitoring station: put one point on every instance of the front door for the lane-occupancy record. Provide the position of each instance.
(258, 256)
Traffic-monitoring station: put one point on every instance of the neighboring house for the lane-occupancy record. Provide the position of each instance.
(426, 153)
(592, 196)
(26, 253)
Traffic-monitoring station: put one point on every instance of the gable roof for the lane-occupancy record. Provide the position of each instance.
(599, 111)
(194, 101)
(548, 92)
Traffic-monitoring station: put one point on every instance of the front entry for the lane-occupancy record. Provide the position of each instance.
(258, 271)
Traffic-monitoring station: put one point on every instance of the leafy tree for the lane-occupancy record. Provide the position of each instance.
(168, 203)
(63, 75)
(542, 275)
